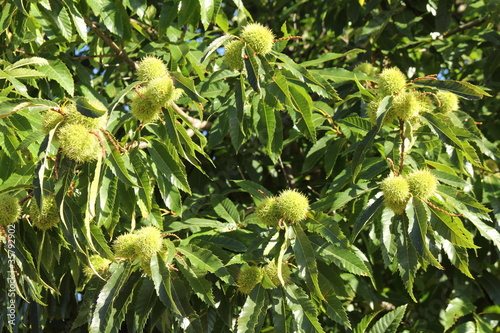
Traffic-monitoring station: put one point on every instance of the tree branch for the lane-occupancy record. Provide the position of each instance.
(119, 51)
(465, 26)
(196, 123)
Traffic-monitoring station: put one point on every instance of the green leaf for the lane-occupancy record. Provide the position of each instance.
(335, 310)
(452, 229)
(20, 179)
(390, 322)
(304, 311)
(18, 86)
(334, 201)
(461, 88)
(118, 164)
(205, 260)
(486, 231)
(214, 46)
(187, 85)
(249, 319)
(317, 152)
(168, 162)
(328, 228)
(267, 125)
(446, 132)
(144, 300)
(408, 261)
(31, 61)
(366, 216)
(104, 301)
(331, 56)
(362, 326)
(302, 103)
(343, 258)
(196, 223)
(24, 73)
(207, 12)
(77, 19)
(456, 309)
(201, 286)
(226, 209)
(458, 257)
(253, 188)
(252, 67)
(57, 71)
(162, 282)
(367, 142)
(306, 260)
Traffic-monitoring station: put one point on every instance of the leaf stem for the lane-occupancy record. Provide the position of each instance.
(402, 133)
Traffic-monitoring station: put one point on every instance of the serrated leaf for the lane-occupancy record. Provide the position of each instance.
(214, 45)
(253, 188)
(362, 326)
(31, 61)
(458, 257)
(461, 88)
(168, 162)
(306, 260)
(266, 125)
(367, 142)
(335, 310)
(187, 85)
(366, 216)
(57, 71)
(207, 11)
(486, 231)
(456, 309)
(343, 258)
(24, 73)
(78, 20)
(304, 311)
(118, 164)
(335, 201)
(452, 229)
(302, 103)
(252, 67)
(446, 133)
(205, 260)
(18, 85)
(390, 322)
(195, 223)
(317, 152)
(105, 299)
(408, 261)
(144, 301)
(330, 56)
(226, 209)
(328, 228)
(252, 310)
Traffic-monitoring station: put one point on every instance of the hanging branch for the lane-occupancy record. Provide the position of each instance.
(119, 51)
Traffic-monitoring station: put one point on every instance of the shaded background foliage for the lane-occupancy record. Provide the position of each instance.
(91, 48)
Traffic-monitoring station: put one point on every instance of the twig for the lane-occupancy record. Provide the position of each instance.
(101, 142)
(393, 167)
(113, 141)
(287, 38)
(97, 56)
(402, 132)
(442, 210)
(119, 51)
(170, 234)
(465, 26)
